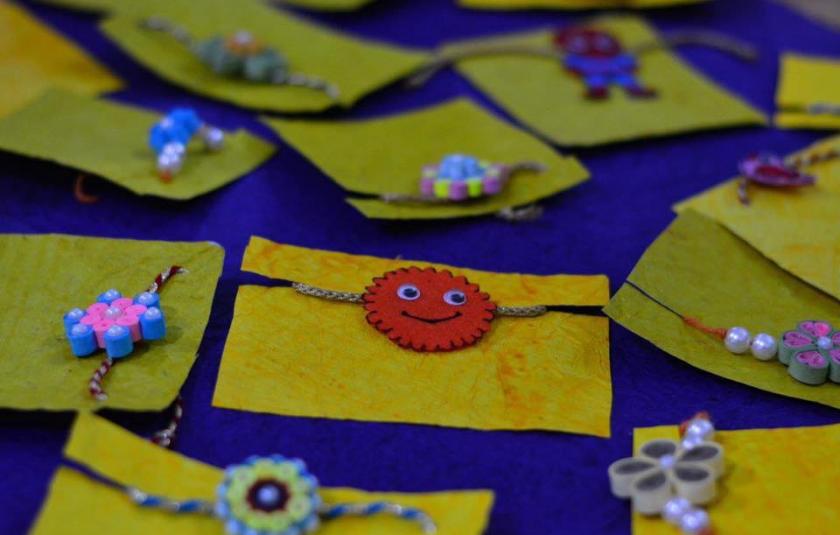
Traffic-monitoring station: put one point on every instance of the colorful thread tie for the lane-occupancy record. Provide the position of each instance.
(170, 137)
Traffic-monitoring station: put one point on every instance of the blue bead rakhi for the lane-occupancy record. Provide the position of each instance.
(274, 495)
(170, 136)
(115, 323)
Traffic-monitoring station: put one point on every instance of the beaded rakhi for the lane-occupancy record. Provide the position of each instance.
(273, 495)
(170, 136)
(115, 323)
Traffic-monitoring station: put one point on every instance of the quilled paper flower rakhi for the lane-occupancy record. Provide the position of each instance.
(242, 56)
(594, 55)
(427, 310)
(811, 351)
(170, 136)
(674, 479)
(772, 171)
(115, 323)
(461, 177)
(273, 496)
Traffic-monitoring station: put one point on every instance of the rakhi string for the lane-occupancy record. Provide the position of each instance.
(166, 437)
(692, 322)
(95, 386)
(328, 512)
(79, 191)
(718, 41)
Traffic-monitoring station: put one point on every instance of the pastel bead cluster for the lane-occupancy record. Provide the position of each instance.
(114, 323)
(241, 55)
(170, 136)
(811, 352)
(459, 177)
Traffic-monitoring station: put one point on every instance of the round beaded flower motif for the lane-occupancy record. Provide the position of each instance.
(268, 496)
(812, 352)
(427, 309)
(458, 177)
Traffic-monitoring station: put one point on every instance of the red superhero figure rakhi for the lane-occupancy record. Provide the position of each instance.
(598, 58)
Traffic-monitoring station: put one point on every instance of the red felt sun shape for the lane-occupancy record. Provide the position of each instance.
(428, 310)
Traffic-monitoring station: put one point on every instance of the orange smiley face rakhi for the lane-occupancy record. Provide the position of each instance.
(428, 310)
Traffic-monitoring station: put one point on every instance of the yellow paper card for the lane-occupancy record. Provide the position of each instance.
(355, 66)
(806, 81)
(44, 276)
(550, 372)
(111, 140)
(700, 270)
(325, 5)
(379, 156)
(798, 229)
(573, 4)
(773, 478)
(542, 95)
(130, 460)
(35, 58)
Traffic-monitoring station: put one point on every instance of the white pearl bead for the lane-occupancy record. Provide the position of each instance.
(268, 495)
(214, 138)
(691, 441)
(168, 163)
(764, 346)
(675, 508)
(113, 313)
(737, 340)
(694, 521)
(824, 343)
(700, 428)
(174, 148)
(667, 461)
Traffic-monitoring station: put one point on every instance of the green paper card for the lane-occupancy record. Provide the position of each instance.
(387, 155)
(544, 96)
(44, 276)
(357, 67)
(111, 140)
(701, 270)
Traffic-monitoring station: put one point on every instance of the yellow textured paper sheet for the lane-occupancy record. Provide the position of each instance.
(44, 276)
(325, 5)
(542, 95)
(34, 58)
(111, 140)
(774, 483)
(701, 270)
(550, 372)
(805, 81)
(573, 4)
(387, 156)
(78, 505)
(798, 229)
(356, 66)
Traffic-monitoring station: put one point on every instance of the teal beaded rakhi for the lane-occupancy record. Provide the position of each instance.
(241, 55)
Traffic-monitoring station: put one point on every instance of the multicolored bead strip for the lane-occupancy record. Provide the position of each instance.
(241, 55)
(170, 136)
(674, 479)
(115, 323)
(461, 177)
(771, 170)
(275, 496)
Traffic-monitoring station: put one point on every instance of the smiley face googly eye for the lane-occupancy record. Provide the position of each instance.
(408, 292)
(455, 297)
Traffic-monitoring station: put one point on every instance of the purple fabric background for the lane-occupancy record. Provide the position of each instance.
(545, 483)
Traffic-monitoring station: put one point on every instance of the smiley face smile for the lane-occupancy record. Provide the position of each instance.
(431, 320)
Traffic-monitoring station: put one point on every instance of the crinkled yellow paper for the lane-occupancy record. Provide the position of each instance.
(550, 372)
(34, 58)
(805, 81)
(44, 276)
(387, 155)
(798, 229)
(325, 5)
(701, 270)
(775, 482)
(573, 4)
(356, 66)
(78, 505)
(111, 140)
(546, 98)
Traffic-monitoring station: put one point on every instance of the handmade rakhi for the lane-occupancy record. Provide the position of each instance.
(673, 479)
(811, 351)
(272, 495)
(427, 310)
(770, 170)
(594, 55)
(116, 323)
(462, 177)
(170, 136)
(242, 56)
